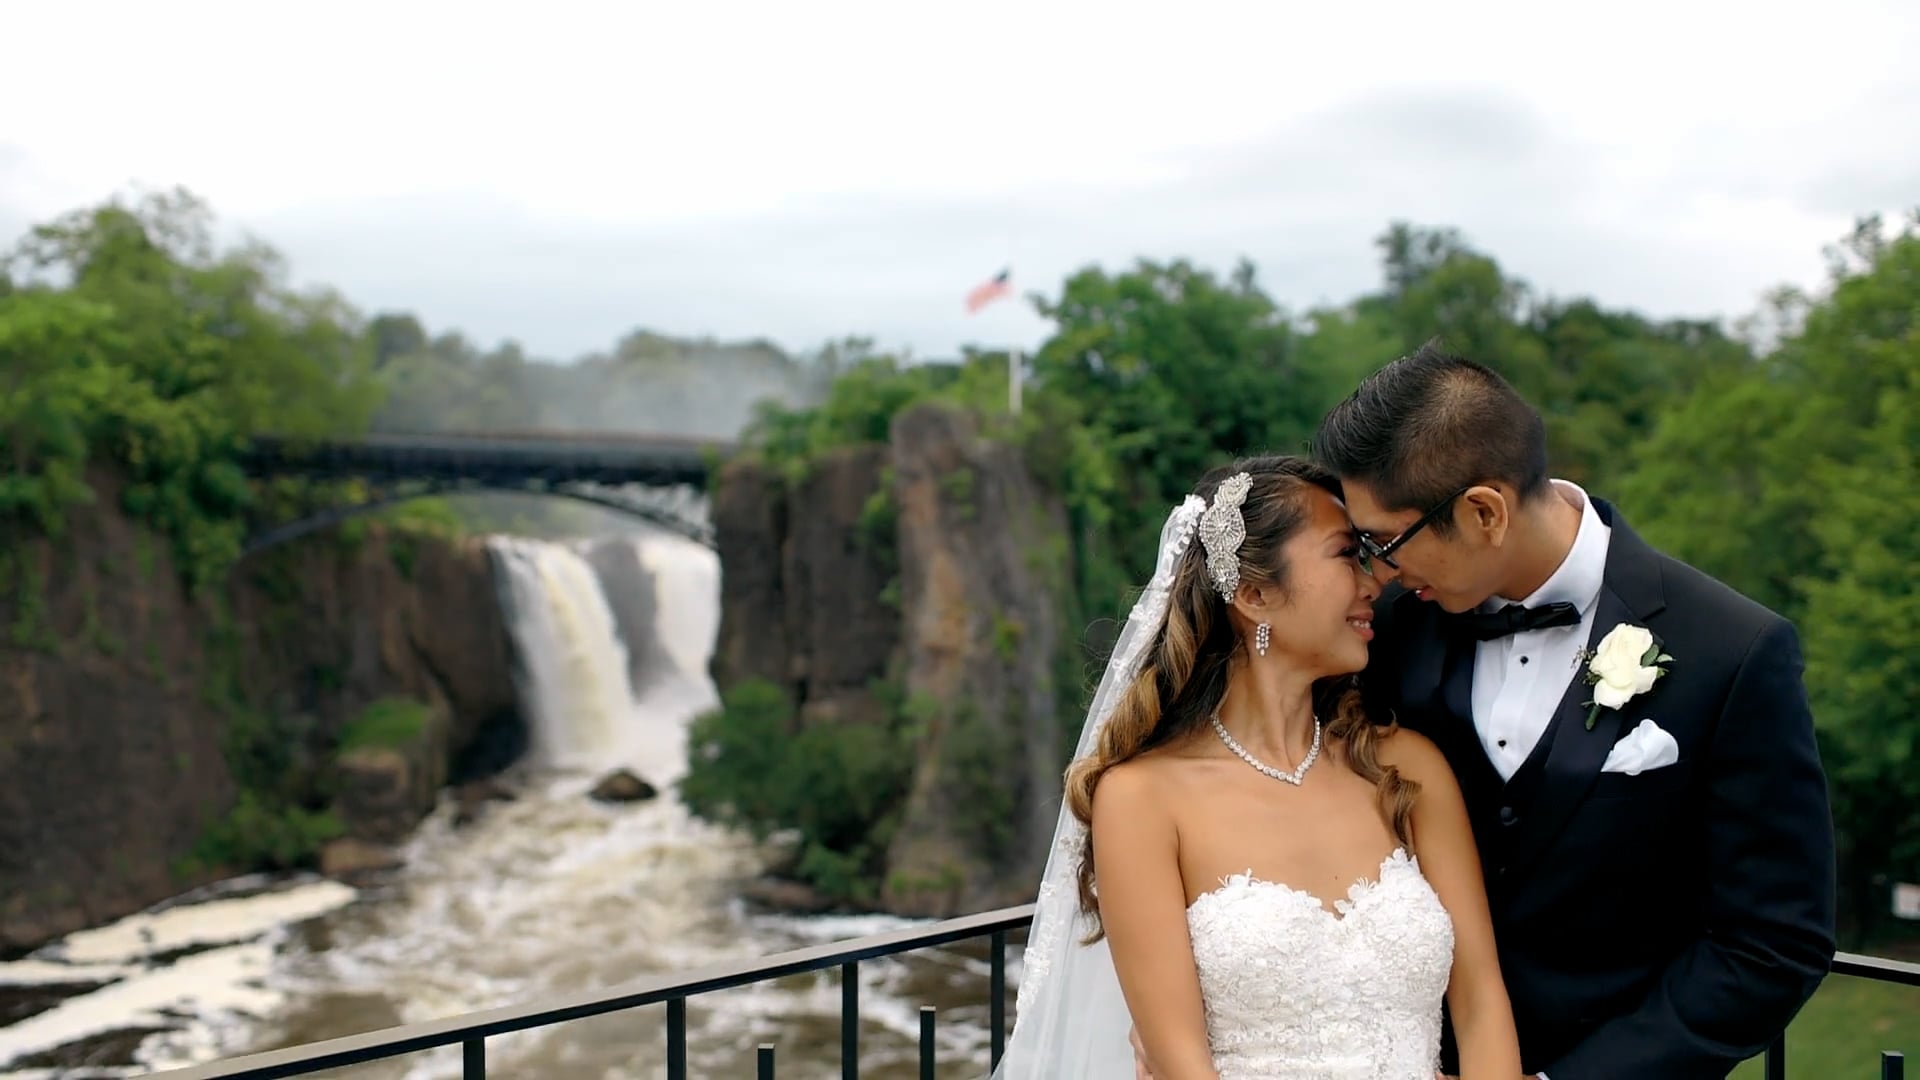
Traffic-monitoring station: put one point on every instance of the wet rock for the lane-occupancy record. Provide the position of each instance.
(353, 860)
(936, 566)
(378, 793)
(19, 1002)
(105, 1050)
(127, 694)
(622, 786)
(787, 896)
(470, 799)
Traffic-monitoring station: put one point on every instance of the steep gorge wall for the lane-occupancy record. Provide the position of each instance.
(920, 585)
(120, 696)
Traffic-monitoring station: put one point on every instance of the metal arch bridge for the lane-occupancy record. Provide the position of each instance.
(659, 479)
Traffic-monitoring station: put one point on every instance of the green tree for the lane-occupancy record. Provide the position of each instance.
(1792, 478)
(127, 339)
(1173, 370)
(1863, 631)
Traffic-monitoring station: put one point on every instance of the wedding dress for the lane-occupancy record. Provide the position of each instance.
(1294, 991)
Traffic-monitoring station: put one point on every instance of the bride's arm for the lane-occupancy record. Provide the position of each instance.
(1143, 906)
(1483, 1024)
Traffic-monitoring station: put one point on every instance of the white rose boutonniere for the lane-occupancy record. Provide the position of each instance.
(1623, 667)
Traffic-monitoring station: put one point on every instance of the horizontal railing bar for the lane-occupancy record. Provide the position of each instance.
(651, 990)
(1877, 968)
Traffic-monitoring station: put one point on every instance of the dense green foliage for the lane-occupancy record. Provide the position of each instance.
(1795, 480)
(838, 787)
(1786, 468)
(135, 357)
(126, 340)
(391, 722)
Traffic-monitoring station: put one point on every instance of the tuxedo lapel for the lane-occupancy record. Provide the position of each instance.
(1456, 678)
(1437, 691)
(1422, 668)
(1630, 594)
(1460, 739)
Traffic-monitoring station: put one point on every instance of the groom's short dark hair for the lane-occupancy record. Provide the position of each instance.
(1429, 424)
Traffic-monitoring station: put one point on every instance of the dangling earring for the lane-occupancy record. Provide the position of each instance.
(1262, 634)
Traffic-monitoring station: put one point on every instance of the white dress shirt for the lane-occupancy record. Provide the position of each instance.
(1518, 680)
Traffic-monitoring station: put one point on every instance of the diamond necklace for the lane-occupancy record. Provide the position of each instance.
(1293, 777)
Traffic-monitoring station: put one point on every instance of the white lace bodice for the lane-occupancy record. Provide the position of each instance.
(1296, 992)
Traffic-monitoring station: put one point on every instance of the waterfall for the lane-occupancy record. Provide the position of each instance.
(687, 626)
(578, 657)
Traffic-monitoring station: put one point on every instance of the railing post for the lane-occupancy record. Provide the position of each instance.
(997, 998)
(766, 1061)
(1776, 1062)
(473, 1059)
(926, 1042)
(850, 1020)
(1893, 1065)
(677, 1039)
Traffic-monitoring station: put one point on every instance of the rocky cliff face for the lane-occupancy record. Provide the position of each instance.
(117, 692)
(931, 570)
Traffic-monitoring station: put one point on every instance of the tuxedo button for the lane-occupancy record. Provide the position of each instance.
(1507, 816)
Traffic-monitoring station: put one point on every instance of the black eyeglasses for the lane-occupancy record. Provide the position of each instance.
(1371, 549)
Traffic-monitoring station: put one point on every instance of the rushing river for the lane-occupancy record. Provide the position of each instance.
(542, 896)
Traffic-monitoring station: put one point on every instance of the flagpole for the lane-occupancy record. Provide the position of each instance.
(1013, 379)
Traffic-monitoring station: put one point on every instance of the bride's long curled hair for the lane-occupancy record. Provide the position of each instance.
(1183, 678)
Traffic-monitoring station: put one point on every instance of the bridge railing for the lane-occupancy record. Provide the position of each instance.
(472, 1030)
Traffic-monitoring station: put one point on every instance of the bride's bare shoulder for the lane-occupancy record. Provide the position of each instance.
(1149, 778)
(1136, 777)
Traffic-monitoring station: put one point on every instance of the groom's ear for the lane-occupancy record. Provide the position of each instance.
(1486, 512)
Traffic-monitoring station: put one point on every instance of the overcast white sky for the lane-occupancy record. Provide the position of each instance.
(562, 172)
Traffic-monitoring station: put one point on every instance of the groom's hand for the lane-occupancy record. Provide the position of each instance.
(1140, 1070)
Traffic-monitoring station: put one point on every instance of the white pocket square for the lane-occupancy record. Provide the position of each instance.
(1647, 746)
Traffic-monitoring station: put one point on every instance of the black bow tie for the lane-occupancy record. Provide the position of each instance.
(1515, 618)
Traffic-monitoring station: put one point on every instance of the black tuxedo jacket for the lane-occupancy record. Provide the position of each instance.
(1664, 925)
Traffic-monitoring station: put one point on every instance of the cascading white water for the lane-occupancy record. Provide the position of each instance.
(581, 708)
(572, 665)
(687, 624)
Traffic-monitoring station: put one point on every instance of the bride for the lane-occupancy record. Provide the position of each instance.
(1248, 874)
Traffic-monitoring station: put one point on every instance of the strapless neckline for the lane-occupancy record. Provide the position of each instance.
(1295, 991)
(1359, 890)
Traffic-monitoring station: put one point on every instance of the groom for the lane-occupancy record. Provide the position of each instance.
(1658, 849)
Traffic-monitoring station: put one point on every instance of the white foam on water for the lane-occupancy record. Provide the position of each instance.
(210, 985)
(32, 972)
(211, 923)
(217, 986)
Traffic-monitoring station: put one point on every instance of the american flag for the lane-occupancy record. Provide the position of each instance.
(995, 287)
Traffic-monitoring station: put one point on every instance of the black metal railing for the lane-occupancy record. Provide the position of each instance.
(1892, 1063)
(472, 1030)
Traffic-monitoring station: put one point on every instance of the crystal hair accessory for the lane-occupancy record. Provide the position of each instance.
(1223, 530)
